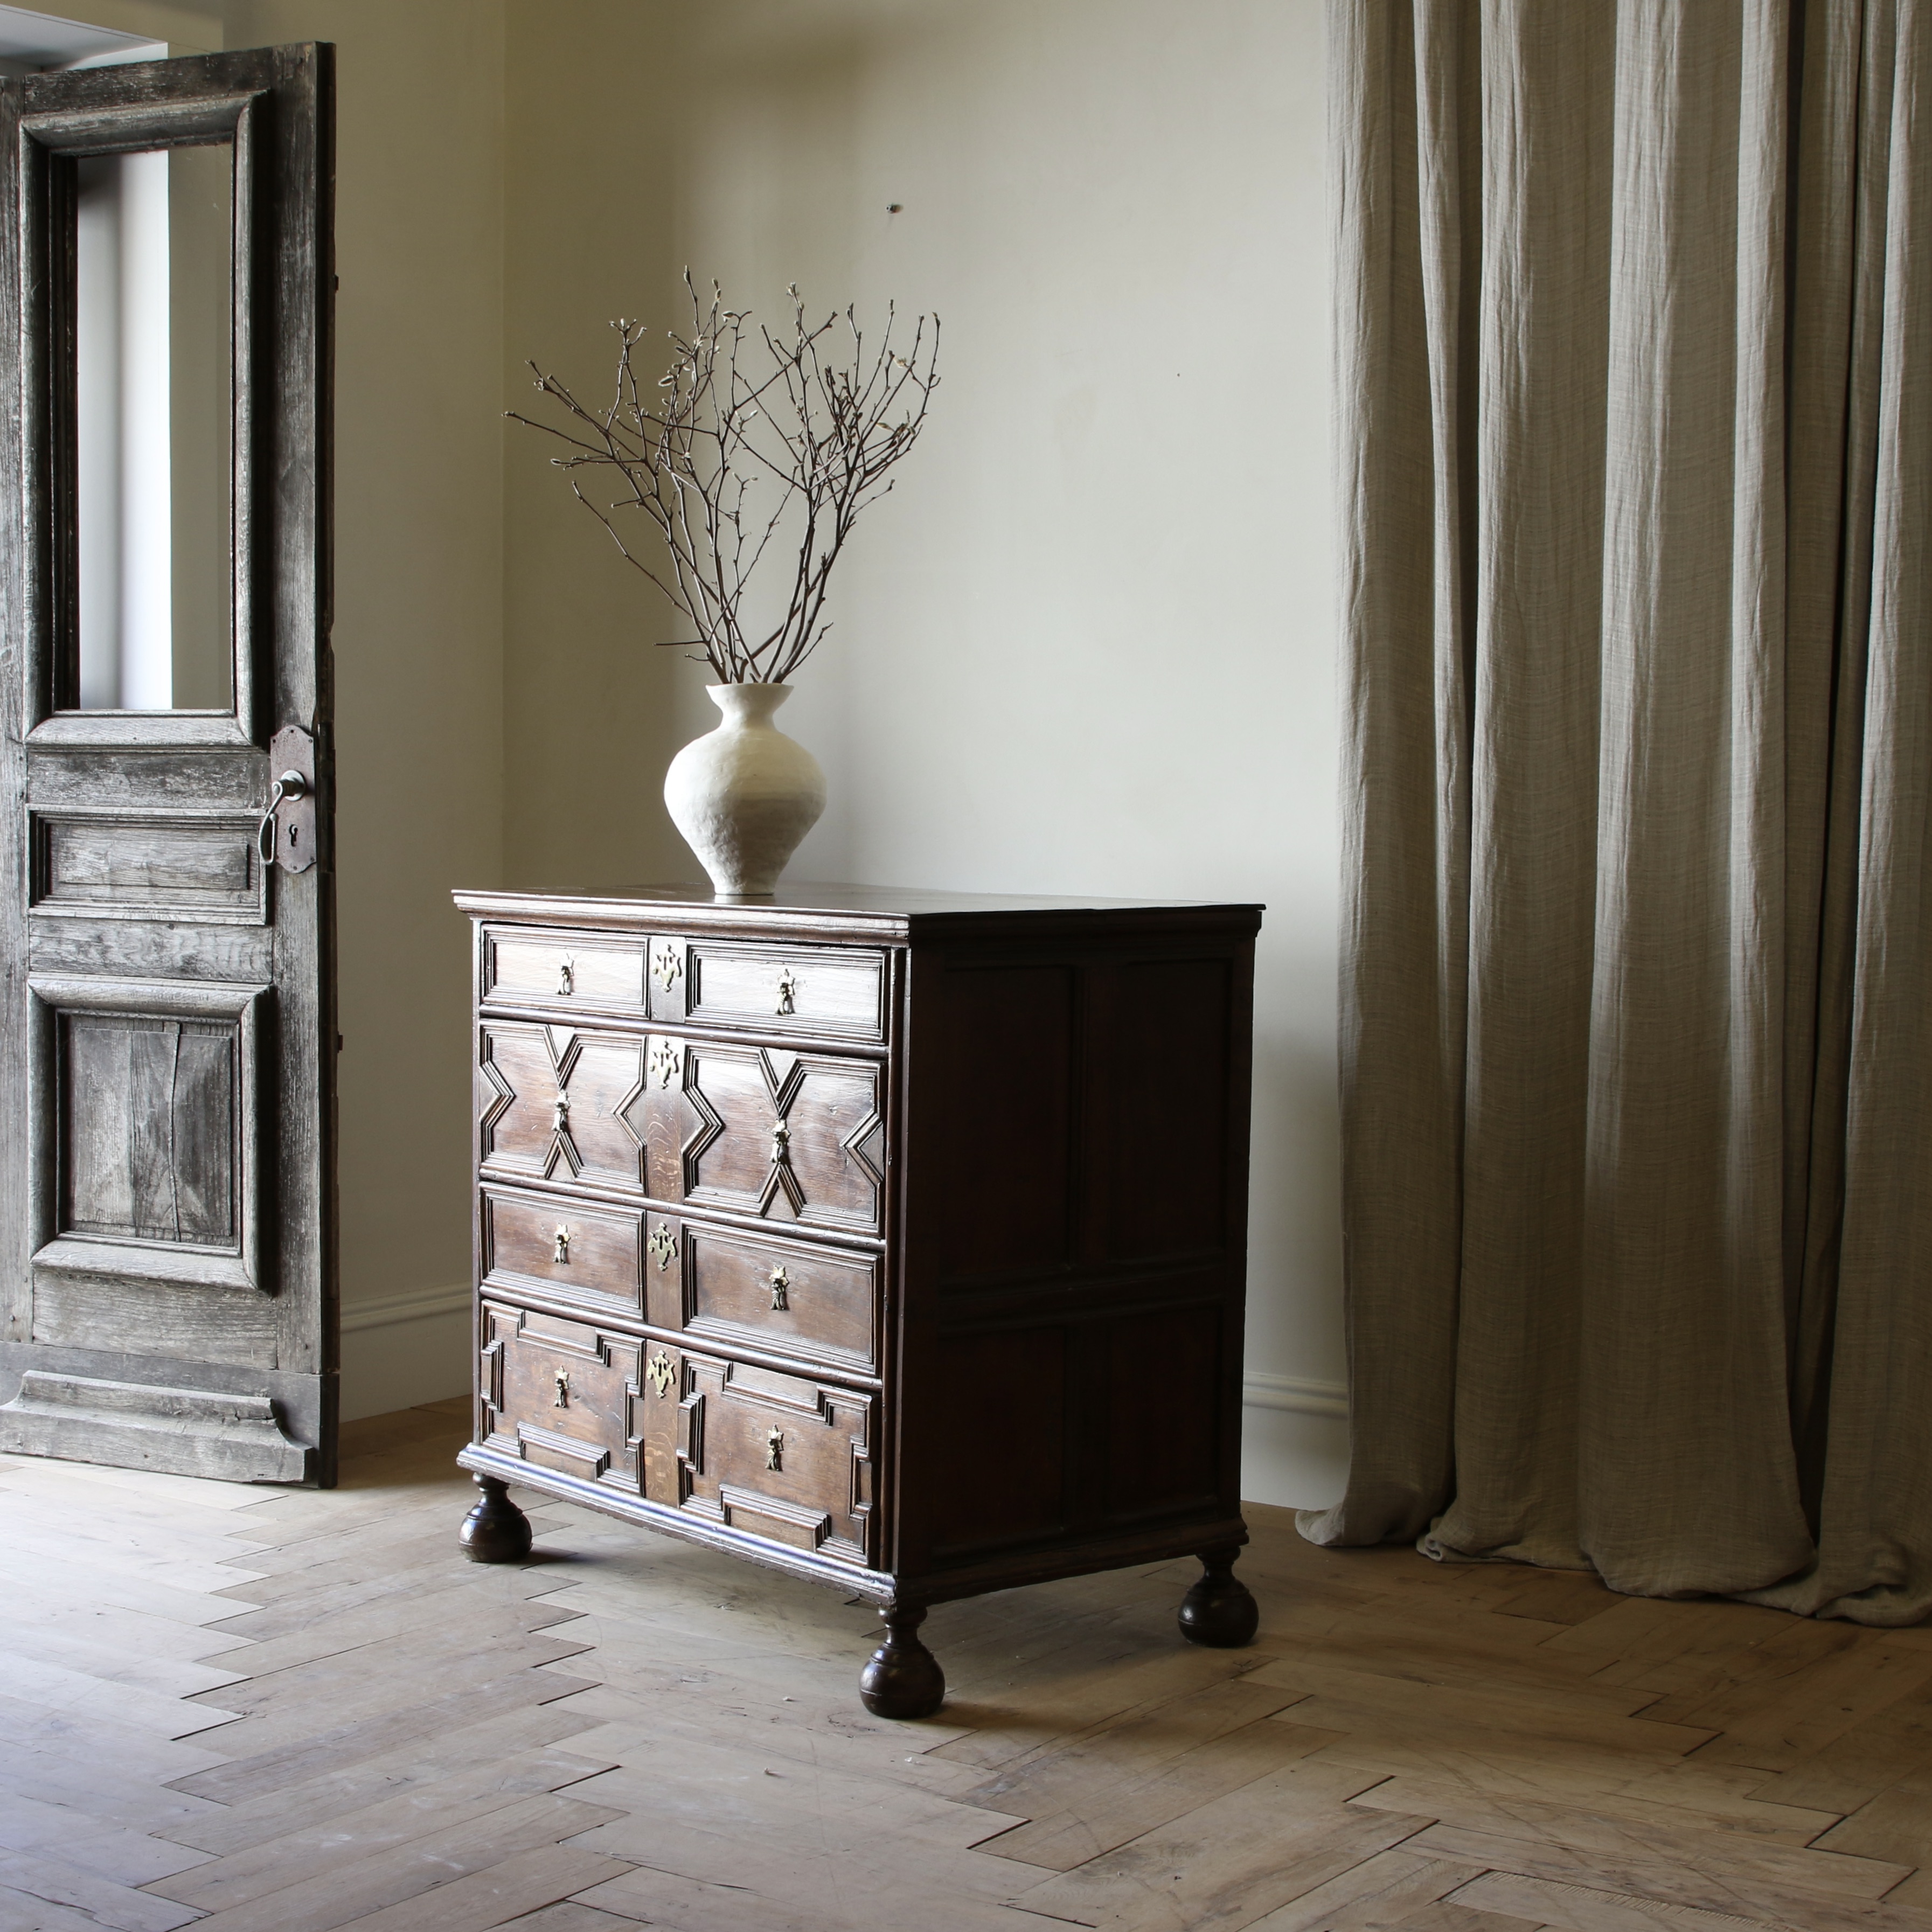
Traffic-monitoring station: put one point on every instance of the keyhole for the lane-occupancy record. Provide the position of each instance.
(294, 832)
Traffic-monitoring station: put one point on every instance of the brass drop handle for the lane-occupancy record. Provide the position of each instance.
(774, 1449)
(561, 1257)
(289, 786)
(788, 992)
(781, 1143)
(566, 976)
(562, 1389)
(559, 1110)
(780, 1286)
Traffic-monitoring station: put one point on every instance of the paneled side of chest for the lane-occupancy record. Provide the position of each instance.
(682, 1228)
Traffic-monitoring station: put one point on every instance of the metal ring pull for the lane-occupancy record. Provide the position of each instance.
(290, 786)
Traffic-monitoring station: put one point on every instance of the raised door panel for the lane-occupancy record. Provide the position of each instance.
(553, 1104)
(758, 1130)
(561, 1395)
(143, 1125)
(97, 867)
(777, 1456)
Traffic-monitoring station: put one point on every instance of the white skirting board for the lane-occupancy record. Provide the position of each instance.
(1295, 1441)
(403, 1349)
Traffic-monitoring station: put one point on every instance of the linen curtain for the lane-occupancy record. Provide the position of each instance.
(1637, 1037)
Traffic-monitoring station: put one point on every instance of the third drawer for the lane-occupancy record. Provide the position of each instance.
(802, 1301)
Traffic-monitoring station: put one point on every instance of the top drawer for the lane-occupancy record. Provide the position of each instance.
(531, 967)
(828, 991)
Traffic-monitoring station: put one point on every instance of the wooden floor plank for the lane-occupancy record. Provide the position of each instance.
(1231, 1862)
(515, 1748)
(1391, 1888)
(312, 1755)
(314, 1847)
(355, 1887)
(526, 1883)
(53, 1881)
(1709, 1884)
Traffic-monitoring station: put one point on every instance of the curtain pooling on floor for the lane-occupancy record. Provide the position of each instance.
(1636, 422)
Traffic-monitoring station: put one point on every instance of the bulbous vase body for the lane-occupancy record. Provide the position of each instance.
(744, 795)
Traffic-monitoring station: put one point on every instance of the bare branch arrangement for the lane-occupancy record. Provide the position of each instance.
(720, 463)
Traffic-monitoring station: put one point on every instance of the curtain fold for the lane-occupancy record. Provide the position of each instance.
(1636, 1064)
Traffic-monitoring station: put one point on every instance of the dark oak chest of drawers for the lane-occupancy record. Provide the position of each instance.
(895, 1239)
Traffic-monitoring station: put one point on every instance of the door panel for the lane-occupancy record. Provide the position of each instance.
(167, 1237)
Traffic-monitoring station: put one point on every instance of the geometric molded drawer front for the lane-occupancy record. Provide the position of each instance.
(562, 1394)
(792, 1136)
(838, 992)
(592, 1254)
(778, 1456)
(814, 1304)
(550, 1103)
(565, 970)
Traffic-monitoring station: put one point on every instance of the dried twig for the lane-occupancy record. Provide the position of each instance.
(719, 462)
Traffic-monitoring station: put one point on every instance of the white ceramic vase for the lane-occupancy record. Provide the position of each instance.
(744, 795)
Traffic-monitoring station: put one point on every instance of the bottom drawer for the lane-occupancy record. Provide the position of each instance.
(564, 1395)
(782, 1457)
(775, 1456)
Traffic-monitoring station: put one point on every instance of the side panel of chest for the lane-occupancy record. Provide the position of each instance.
(1076, 1147)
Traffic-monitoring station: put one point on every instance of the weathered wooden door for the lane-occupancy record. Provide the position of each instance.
(167, 1046)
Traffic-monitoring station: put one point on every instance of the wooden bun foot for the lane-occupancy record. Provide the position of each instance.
(1219, 1611)
(495, 1531)
(903, 1679)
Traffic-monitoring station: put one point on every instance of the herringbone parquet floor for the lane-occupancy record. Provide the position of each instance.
(270, 1711)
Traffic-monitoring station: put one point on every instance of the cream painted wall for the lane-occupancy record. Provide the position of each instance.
(419, 644)
(1087, 645)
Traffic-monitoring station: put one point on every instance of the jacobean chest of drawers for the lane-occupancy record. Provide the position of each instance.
(895, 1239)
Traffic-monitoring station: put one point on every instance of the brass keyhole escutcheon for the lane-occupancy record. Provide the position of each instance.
(788, 992)
(561, 1256)
(560, 1114)
(566, 976)
(667, 967)
(666, 1061)
(780, 1288)
(774, 1449)
(562, 1389)
(659, 1373)
(663, 1243)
